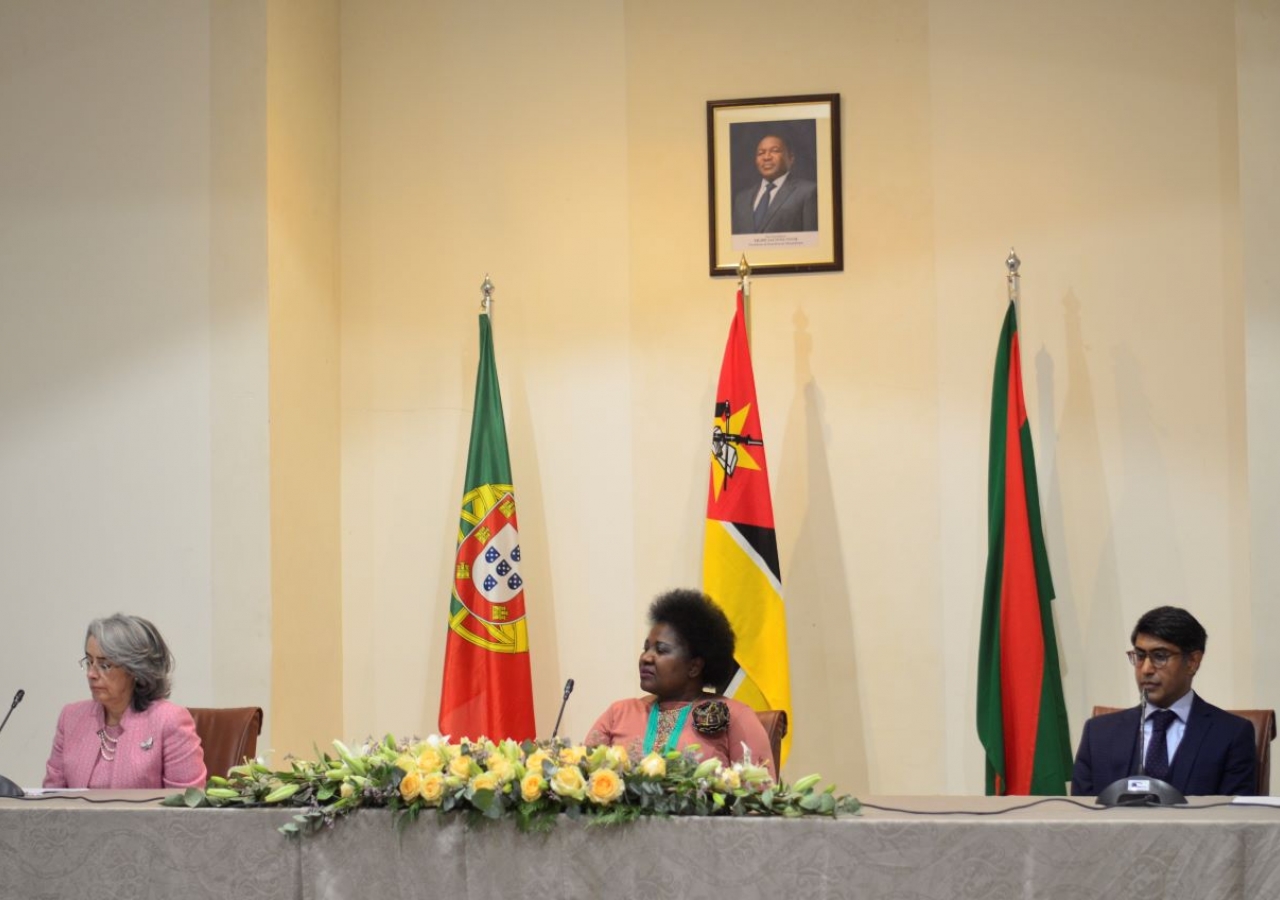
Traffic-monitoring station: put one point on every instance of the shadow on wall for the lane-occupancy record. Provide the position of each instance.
(531, 509)
(828, 726)
(1144, 519)
(1093, 618)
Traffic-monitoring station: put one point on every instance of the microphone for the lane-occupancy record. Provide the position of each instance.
(1142, 733)
(7, 787)
(568, 689)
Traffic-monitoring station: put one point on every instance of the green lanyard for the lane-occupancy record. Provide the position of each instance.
(651, 733)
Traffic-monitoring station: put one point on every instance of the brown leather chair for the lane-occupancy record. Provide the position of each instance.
(228, 735)
(1264, 732)
(775, 725)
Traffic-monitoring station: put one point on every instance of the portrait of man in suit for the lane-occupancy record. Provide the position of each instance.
(1176, 736)
(779, 199)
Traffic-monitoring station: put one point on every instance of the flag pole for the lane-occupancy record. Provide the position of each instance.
(744, 285)
(1012, 264)
(486, 294)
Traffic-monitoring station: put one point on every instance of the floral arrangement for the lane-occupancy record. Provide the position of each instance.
(534, 783)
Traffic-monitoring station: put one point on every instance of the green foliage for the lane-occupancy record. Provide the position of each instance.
(532, 783)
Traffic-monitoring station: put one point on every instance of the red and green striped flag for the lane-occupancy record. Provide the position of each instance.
(1022, 718)
(487, 688)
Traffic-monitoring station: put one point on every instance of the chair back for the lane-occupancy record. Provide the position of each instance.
(775, 725)
(1264, 732)
(228, 735)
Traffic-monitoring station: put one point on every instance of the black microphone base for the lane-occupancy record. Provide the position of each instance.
(9, 789)
(1140, 790)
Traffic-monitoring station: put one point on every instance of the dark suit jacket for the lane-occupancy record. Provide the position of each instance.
(794, 208)
(1217, 754)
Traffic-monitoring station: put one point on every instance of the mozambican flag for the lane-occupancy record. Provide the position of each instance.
(740, 568)
(487, 688)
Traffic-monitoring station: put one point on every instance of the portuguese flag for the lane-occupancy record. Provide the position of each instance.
(1022, 719)
(487, 689)
(740, 551)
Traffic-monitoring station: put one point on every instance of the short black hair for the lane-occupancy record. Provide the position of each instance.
(786, 143)
(1174, 625)
(704, 629)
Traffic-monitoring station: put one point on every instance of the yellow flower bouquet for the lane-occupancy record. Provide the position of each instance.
(532, 783)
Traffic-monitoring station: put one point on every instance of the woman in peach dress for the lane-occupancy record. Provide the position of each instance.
(689, 650)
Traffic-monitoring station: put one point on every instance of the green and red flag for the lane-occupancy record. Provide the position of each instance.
(487, 689)
(740, 568)
(1022, 718)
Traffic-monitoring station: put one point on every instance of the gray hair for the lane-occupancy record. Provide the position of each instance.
(136, 645)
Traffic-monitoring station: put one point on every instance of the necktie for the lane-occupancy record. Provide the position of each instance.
(1158, 749)
(762, 208)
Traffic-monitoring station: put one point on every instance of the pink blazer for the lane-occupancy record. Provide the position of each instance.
(159, 748)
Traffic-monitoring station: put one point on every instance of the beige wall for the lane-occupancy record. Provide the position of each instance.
(133, 348)
(1110, 156)
(484, 138)
(302, 241)
(561, 149)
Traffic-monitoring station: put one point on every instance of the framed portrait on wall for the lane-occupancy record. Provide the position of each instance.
(773, 175)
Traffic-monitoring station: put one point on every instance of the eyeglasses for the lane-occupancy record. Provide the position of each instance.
(1159, 658)
(103, 667)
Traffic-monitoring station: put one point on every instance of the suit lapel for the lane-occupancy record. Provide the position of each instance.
(83, 753)
(135, 751)
(1131, 725)
(780, 200)
(80, 765)
(1185, 758)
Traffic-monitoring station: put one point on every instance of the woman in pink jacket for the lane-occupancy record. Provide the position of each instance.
(128, 735)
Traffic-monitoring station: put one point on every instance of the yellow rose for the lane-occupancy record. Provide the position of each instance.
(653, 765)
(535, 761)
(532, 786)
(430, 760)
(605, 786)
(460, 767)
(503, 768)
(411, 785)
(433, 788)
(568, 782)
(485, 781)
(571, 756)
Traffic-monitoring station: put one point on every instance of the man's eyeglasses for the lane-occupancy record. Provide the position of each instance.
(103, 667)
(1159, 658)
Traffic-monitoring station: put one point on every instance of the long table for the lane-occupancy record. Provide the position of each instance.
(68, 848)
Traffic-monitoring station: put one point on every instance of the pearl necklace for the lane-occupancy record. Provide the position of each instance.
(108, 745)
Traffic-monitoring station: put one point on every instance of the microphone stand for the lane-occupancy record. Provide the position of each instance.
(568, 689)
(7, 787)
(1140, 789)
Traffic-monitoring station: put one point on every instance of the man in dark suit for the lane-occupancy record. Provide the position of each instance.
(1195, 746)
(780, 201)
